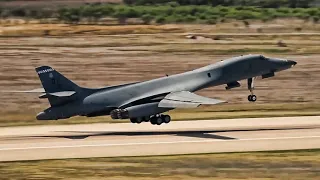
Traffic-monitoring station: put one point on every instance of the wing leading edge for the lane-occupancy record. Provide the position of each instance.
(186, 99)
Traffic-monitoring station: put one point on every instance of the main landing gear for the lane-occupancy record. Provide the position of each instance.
(155, 119)
(251, 97)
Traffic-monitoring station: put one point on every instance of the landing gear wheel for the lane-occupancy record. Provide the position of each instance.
(153, 120)
(166, 119)
(146, 119)
(159, 120)
(133, 120)
(252, 98)
(139, 120)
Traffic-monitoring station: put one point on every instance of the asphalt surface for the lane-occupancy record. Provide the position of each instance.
(180, 137)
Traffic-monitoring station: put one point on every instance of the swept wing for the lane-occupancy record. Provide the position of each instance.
(186, 99)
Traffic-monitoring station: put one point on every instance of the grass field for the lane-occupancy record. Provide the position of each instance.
(283, 165)
(92, 56)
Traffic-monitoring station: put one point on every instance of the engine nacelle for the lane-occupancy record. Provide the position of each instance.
(141, 110)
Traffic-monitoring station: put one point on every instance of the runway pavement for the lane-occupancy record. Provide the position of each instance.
(180, 137)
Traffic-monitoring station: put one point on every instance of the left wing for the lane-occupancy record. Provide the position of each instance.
(186, 99)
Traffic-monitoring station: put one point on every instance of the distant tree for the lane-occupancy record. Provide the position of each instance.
(160, 19)
(300, 3)
(69, 15)
(121, 15)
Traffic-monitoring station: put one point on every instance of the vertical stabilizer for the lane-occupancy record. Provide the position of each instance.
(53, 82)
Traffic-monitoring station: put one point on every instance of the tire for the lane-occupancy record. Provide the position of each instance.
(253, 98)
(166, 119)
(139, 120)
(250, 98)
(146, 119)
(133, 120)
(153, 121)
(159, 121)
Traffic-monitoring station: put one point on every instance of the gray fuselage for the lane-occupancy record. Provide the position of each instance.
(227, 71)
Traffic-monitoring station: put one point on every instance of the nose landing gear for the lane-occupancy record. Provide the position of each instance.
(251, 97)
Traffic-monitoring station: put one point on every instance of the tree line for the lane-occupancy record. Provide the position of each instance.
(170, 12)
(258, 3)
(185, 14)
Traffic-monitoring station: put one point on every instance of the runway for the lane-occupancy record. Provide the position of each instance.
(178, 137)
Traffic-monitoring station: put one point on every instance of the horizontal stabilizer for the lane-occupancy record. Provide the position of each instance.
(58, 94)
(186, 99)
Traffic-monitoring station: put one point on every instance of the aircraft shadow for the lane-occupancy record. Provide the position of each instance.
(209, 134)
(198, 134)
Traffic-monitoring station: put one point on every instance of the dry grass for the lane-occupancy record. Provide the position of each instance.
(303, 164)
(65, 29)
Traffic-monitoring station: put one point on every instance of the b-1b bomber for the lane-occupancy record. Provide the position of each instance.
(146, 101)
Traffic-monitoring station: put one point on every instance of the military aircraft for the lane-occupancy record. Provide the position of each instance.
(145, 101)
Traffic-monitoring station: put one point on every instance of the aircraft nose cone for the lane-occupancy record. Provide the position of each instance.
(292, 63)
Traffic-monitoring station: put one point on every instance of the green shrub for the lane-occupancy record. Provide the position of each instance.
(211, 21)
(190, 18)
(202, 16)
(173, 4)
(146, 18)
(160, 19)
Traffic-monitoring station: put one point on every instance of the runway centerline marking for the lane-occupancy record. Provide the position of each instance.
(153, 143)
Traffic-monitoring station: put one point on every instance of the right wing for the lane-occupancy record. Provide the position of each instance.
(186, 99)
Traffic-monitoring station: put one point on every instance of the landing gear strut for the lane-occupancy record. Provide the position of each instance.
(251, 97)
